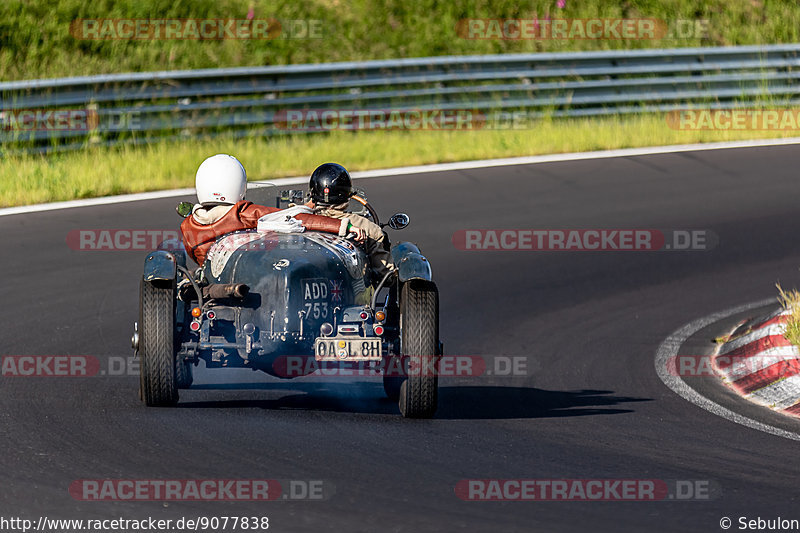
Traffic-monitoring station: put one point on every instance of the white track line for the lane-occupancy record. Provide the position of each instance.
(670, 347)
(421, 169)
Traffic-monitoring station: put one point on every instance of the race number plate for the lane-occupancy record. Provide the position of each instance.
(347, 349)
(315, 299)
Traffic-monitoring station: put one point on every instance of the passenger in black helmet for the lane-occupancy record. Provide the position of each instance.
(330, 185)
(330, 189)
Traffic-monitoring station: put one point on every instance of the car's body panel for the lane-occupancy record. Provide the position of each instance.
(160, 266)
(297, 282)
(411, 264)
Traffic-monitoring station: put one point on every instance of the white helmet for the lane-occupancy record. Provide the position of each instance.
(221, 178)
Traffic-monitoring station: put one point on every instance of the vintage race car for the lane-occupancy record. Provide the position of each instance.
(313, 305)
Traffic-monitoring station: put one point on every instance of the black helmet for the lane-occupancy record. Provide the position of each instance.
(330, 184)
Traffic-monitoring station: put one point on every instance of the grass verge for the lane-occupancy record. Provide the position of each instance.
(791, 300)
(35, 38)
(98, 171)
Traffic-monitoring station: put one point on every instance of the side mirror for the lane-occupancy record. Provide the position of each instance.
(184, 209)
(399, 221)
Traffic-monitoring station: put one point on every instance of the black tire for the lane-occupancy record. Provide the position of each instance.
(157, 381)
(184, 377)
(184, 373)
(394, 369)
(392, 383)
(419, 315)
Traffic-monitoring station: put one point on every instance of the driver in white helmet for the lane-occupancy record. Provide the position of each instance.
(221, 183)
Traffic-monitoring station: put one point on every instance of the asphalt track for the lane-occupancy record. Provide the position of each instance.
(588, 323)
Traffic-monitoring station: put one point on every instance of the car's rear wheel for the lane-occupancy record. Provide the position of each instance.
(419, 330)
(158, 385)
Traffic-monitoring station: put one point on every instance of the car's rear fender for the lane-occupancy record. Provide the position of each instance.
(160, 268)
(410, 263)
(175, 247)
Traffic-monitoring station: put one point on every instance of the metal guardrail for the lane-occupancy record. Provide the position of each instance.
(239, 100)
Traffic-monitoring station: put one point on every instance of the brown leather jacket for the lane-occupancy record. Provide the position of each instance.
(198, 236)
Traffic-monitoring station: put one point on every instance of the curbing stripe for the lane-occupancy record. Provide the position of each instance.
(760, 345)
(757, 380)
(669, 349)
(778, 317)
(744, 366)
(779, 395)
(794, 410)
(733, 346)
(762, 366)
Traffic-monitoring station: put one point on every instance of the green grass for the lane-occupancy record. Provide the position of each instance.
(35, 41)
(791, 300)
(104, 171)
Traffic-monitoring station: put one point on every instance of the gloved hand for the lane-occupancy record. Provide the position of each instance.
(360, 234)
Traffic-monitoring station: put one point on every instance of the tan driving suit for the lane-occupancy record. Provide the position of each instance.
(380, 258)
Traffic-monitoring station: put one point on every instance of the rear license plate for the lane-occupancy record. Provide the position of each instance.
(347, 349)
